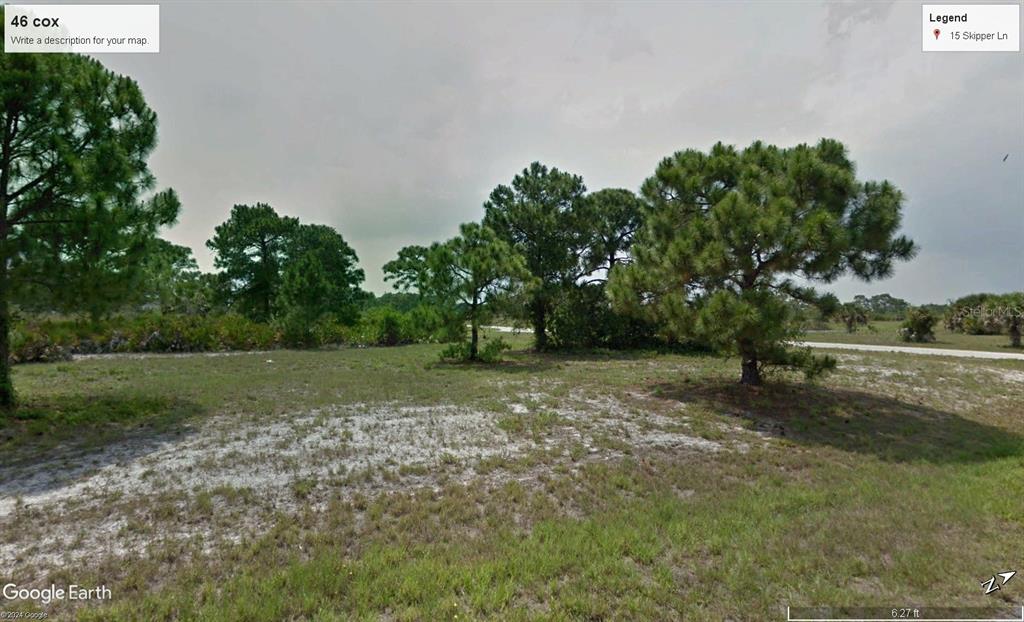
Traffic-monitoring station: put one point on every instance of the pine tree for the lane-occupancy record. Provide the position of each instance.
(727, 233)
(469, 269)
(539, 216)
(250, 249)
(74, 140)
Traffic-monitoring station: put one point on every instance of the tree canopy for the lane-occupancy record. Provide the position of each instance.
(539, 215)
(409, 271)
(274, 264)
(719, 247)
(732, 235)
(172, 278)
(96, 262)
(852, 315)
(882, 306)
(988, 314)
(610, 219)
(460, 276)
(322, 275)
(74, 140)
(470, 268)
(250, 249)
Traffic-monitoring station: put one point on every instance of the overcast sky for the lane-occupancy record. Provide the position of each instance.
(392, 122)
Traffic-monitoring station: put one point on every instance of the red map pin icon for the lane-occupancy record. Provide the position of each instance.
(936, 32)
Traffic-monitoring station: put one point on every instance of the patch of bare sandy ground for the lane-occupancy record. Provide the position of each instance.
(231, 476)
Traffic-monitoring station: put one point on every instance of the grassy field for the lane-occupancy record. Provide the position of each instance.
(380, 484)
(887, 334)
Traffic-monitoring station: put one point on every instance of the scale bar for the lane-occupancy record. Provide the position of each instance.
(789, 618)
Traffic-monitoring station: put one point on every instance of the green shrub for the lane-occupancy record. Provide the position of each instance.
(30, 345)
(490, 352)
(36, 340)
(427, 322)
(297, 331)
(919, 326)
(186, 333)
(1011, 314)
(988, 314)
(583, 318)
(328, 331)
(852, 316)
(967, 315)
(43, 340)
(813, 366)
(382, 326)
(236, 332)
(455, 353)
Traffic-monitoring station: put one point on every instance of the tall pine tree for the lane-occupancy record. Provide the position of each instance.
(74, 140)
(731, 236)
(539, 215)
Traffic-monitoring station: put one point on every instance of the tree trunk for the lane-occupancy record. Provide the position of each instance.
(474, 338)
(6, 386)
(540, 335)
(751, 375)
(265, 269)
(1015, 332)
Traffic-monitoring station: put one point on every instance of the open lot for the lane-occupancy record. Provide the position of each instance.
(366, 483)
(887, 334)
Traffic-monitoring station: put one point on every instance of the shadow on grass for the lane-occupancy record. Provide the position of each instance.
(594, 355)
(852, 421)
(514, 364)
(48, 443)
(528, 361)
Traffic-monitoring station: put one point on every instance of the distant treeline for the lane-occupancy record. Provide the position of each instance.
(974, 314)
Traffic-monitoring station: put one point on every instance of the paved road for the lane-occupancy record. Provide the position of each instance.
(974, 354)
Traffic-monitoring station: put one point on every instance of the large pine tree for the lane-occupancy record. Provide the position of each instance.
(540, 216)
(732, 236)
(74, 140)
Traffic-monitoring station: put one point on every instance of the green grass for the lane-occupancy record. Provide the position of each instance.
(873, 536)
(887, 334)
(897, 481)
(41, 423)
(535, 424)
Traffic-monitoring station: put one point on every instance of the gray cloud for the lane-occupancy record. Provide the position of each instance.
(392, 122)
(845, 16)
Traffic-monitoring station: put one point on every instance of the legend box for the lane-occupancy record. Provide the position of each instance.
(970, 28)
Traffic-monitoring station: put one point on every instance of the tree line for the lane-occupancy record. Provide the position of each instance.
(714, 250)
